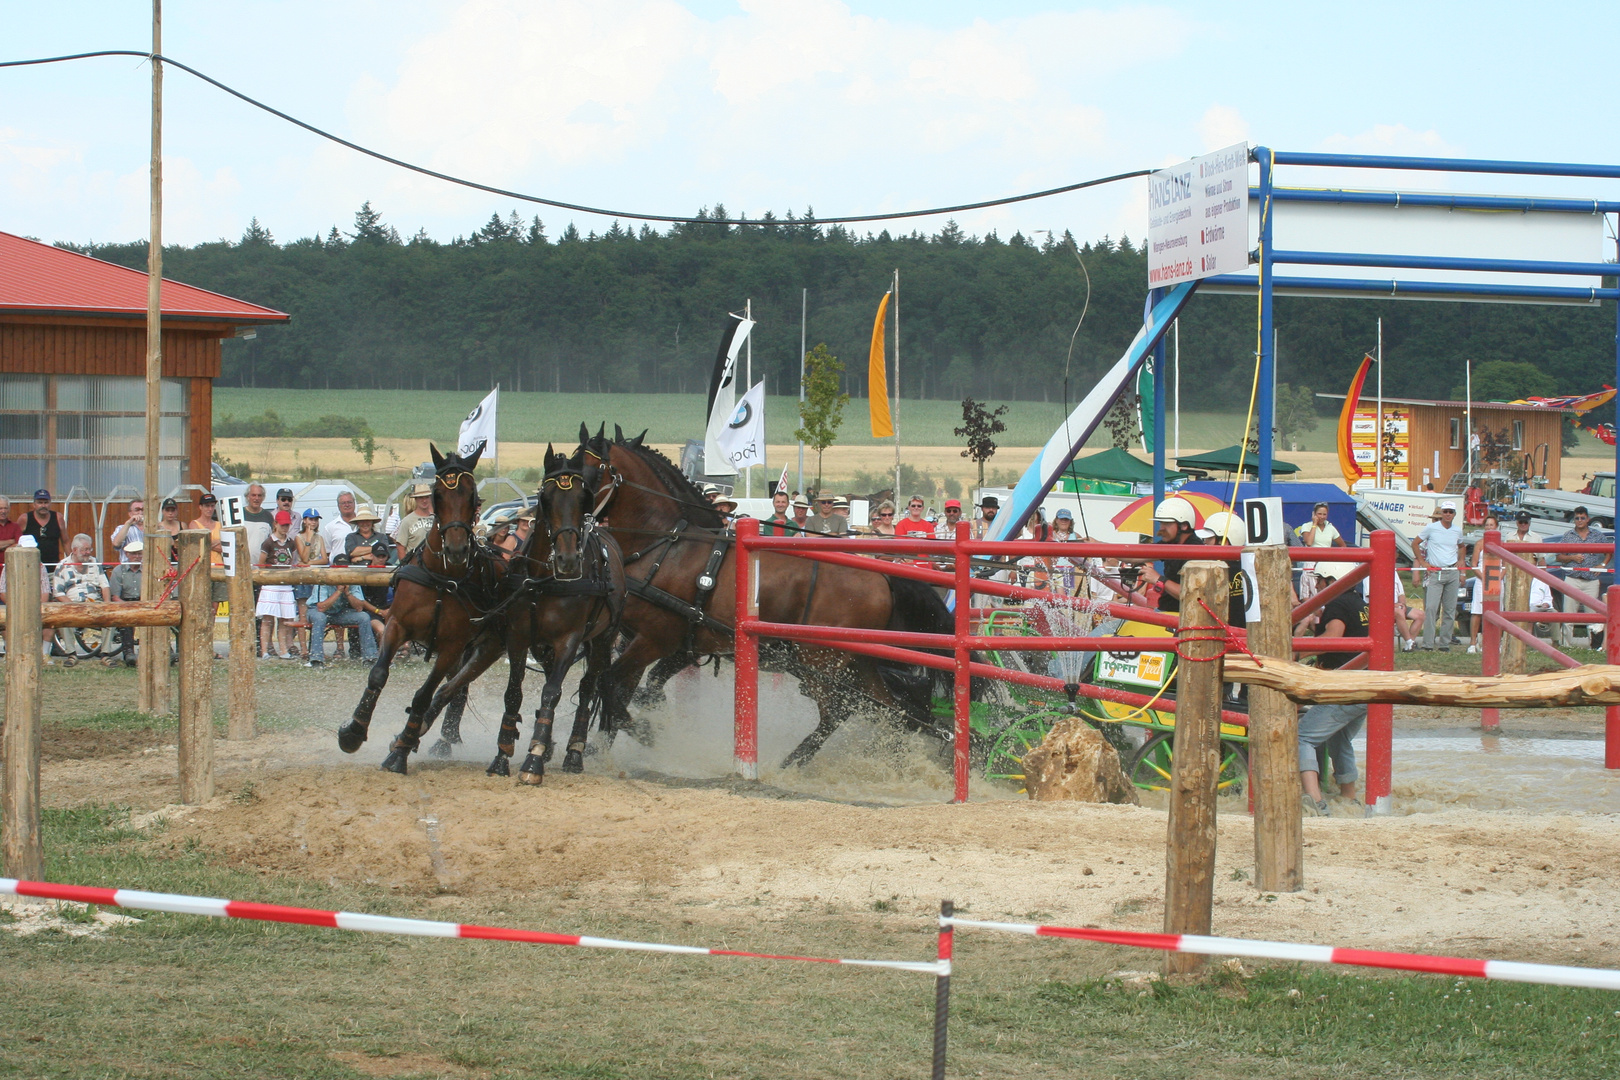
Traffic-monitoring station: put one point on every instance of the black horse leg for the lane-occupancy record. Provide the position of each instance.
(506, 742)
(833, 712)
(354, 731)
(598, 653)
(651, 695)
(426, 705)
(450, 730)
(534, 765)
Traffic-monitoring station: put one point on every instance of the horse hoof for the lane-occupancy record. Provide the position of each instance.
(573, 761)
(499, 767)
(533, 771)
(441, 748)
(395, 762)
(351, 737)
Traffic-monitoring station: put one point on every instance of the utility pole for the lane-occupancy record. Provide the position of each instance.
(153, 677)
(804, 308)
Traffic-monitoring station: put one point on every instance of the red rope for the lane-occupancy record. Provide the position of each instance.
(1221, 632)
(174, 580)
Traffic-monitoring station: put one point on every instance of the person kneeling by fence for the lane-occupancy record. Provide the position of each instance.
(339, 605)
(1331, 728)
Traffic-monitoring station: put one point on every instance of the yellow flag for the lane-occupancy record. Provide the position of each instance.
(877, 376)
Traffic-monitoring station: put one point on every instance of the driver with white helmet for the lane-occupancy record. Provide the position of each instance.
(1174, 522)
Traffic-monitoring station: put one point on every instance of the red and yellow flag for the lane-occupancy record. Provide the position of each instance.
(1347, 458)
(877, 375)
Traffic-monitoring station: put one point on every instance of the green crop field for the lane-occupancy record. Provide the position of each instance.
(671, 418)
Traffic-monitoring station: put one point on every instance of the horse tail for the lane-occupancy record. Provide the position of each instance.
(916, 608)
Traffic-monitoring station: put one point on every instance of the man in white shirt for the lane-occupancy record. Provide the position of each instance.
(1439, 548)
(338, 531)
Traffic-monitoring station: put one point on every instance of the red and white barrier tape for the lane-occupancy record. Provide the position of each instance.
(137, 900)
(1510, 971)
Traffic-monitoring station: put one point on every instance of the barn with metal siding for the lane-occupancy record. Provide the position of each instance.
(72, 381)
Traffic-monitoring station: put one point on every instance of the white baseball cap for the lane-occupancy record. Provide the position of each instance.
(1448, 506)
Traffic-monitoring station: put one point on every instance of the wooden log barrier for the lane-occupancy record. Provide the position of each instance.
(1590, 684)
(152, 652)
(242, 717)
(114, 614)
(1279, 839)
(19, 807)
(196, 671)
(1189, 887)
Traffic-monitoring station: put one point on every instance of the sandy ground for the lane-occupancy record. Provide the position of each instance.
(1505, 884)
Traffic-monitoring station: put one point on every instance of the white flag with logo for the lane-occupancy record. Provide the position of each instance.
(742, 440)
(479, 427)
(722, 395)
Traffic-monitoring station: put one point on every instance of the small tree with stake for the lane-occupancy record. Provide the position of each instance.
(979, 427)
(822, 410)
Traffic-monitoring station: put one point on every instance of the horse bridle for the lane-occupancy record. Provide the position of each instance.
(453, 482)
(564, 480)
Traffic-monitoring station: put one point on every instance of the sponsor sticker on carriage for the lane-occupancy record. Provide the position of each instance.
(1143, 669)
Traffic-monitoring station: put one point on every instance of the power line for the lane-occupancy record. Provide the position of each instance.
(521, 197)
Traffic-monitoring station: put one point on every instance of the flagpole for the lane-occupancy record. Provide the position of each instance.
(804, 307)
(497, 432)
(748, 384)
(895, 415)
(1378, 429)
(1178, 388)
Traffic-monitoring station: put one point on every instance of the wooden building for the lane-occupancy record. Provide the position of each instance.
(73, 382)
(1427, 441)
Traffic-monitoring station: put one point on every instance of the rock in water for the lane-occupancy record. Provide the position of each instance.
(1074, 762)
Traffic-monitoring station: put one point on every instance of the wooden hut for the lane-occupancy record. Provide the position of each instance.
(1427, 441)
(73, 382)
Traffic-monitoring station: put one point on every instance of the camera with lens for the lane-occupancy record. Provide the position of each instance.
(1130, 576)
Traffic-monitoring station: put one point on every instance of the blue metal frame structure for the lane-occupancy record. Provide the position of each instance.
(1268, 193)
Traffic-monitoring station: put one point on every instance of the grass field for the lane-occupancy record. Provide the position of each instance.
(183, 996)
(531, 417)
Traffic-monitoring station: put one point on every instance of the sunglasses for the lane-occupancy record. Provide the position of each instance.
(283, 498)
(887, 513)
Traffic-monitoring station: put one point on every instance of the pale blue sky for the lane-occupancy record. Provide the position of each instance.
(852, 107)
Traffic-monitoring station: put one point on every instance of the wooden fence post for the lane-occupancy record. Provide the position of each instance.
(1515, 597)
(1279, 840)
(19, 810)
(152, 656)
(242, 717)
(196, 669)
(1189, 887)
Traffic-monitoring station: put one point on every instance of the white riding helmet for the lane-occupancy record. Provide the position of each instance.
(1226, 528)
(1178, 509)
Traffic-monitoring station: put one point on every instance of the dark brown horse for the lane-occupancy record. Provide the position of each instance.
(562, 592)
(439, 594)
(680, 566)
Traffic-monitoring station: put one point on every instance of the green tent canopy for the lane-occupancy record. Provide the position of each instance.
(1118, 465)
(1226, 460)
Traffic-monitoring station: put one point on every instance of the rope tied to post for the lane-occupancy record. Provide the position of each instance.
(174, 579)
(1222, 632)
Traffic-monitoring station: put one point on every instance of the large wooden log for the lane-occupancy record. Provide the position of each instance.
(196, 673)
(19, 805)
(1189, 886)
(315, 575)
(1515, 597)
(1591, 684)
(1279, 839)
(242, 715)
(116, 613)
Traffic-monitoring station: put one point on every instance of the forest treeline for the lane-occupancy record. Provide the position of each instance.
(643, 310)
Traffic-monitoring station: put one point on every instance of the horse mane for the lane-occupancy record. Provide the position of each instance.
(674, 481)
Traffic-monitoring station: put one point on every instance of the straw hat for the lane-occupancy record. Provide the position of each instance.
(419, 490)
(725, 503)
(364, 512)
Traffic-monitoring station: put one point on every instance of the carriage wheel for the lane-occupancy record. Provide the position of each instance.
(1151, 770)
(1019, 738)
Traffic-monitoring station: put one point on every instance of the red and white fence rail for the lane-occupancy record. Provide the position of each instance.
(954, 651)
(1495, 622)
(1506, 970)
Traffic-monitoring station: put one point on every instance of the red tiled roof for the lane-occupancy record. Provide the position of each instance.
(39, 278)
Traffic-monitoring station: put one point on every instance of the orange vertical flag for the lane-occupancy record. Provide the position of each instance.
(1347, 457)
(877, 376)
